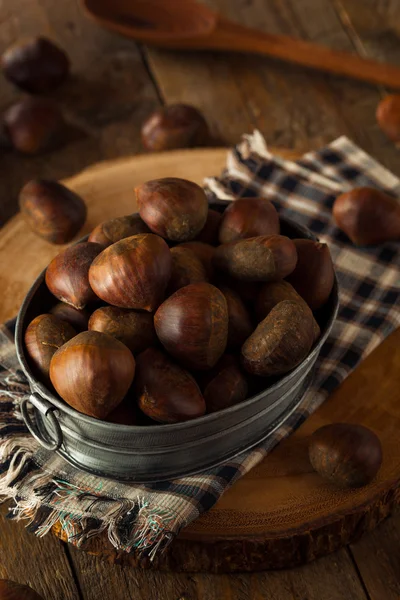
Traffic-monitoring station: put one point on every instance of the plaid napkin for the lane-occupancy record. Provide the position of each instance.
(146, 518)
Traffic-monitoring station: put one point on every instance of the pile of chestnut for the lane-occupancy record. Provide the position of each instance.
(178, 310)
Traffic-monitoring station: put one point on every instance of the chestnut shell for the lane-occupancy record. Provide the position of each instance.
(77, 318)
(175, 209)
(192, 325)
(174, 126)
(112, 231)
(166, 392)
(348, 455)
(92, 373)
(247, 218)
(205, 252)
(67, 276)
(133, 273)
(51, 210)
(186, 268)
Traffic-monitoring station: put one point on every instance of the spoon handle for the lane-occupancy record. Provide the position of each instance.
(231, 36)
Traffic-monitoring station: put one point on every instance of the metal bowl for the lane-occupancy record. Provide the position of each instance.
(158, 452)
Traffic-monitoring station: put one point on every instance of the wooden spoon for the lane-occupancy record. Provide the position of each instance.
(185, 24)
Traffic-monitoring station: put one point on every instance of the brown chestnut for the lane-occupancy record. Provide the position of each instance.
(126, 413)
(281, 341)
(33, 125)
(225, 385)
(51, 210)
(174, 208)
(166, 392)
(271, 294)
(114, 230)
(67, 276)
(247, 218)
(205, 252)
(367, 216)
(174, 126)
(240, 325)
(92, 373)
(347, 455)
(388, 116)
(186, 269)
(77, 318)
(10, 590)
(248, 292)
(43, 336)
(132, 328)
(209, 233)
(133, 273)
(192, 325)
(262, 258)
(35, 65)
(313, 275)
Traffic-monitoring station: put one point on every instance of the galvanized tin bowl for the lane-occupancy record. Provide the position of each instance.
(157, 452)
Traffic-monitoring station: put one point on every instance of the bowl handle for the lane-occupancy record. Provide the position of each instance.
(46, 409)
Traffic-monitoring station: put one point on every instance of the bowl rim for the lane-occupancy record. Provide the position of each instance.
(59, 404)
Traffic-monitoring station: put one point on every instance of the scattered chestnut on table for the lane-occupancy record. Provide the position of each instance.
(92, 372)
(247, 218)
(67, 276)
(33, 125)
(174, 126)
(368, 216)
(348, 455)
(36, 65)
(51, 210)
(175, 209)
(10, 590)
(388, 116)
(114, 230)
(313, 275)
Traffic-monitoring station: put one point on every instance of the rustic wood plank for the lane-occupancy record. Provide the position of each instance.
(107, 97)
(38, 562)
(331, 578)
(291, 107)
(378, 559)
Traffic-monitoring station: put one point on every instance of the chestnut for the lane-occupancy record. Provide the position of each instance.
(33, 125)
(367, 216)
(209, 233)
(133, 273)
(166, 392)
(225, 385)
(271, 294)
(247, 218)
(174, 126)
(67, 276)
(205, 252)
(388, 116)
(239, 321)
(35, 65)
(126, 413)
(10, 590)
(43, 336)
(78, 318)
(132, 328)
(281, 341)
(186, 269)
(347, 455)
(262, 258)
(248, 292)
(313, 276)
(51, 210)
(114, 230)
(192, 325)
(92, 372)
(175, 209)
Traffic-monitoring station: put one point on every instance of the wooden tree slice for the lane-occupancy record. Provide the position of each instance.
(282, 513)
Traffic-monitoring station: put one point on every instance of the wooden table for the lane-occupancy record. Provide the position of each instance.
(115, 84)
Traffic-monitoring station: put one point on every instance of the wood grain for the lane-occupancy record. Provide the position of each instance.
(282, 513)
(40, 563)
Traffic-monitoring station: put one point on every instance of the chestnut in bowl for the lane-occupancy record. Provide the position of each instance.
(247, 218)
